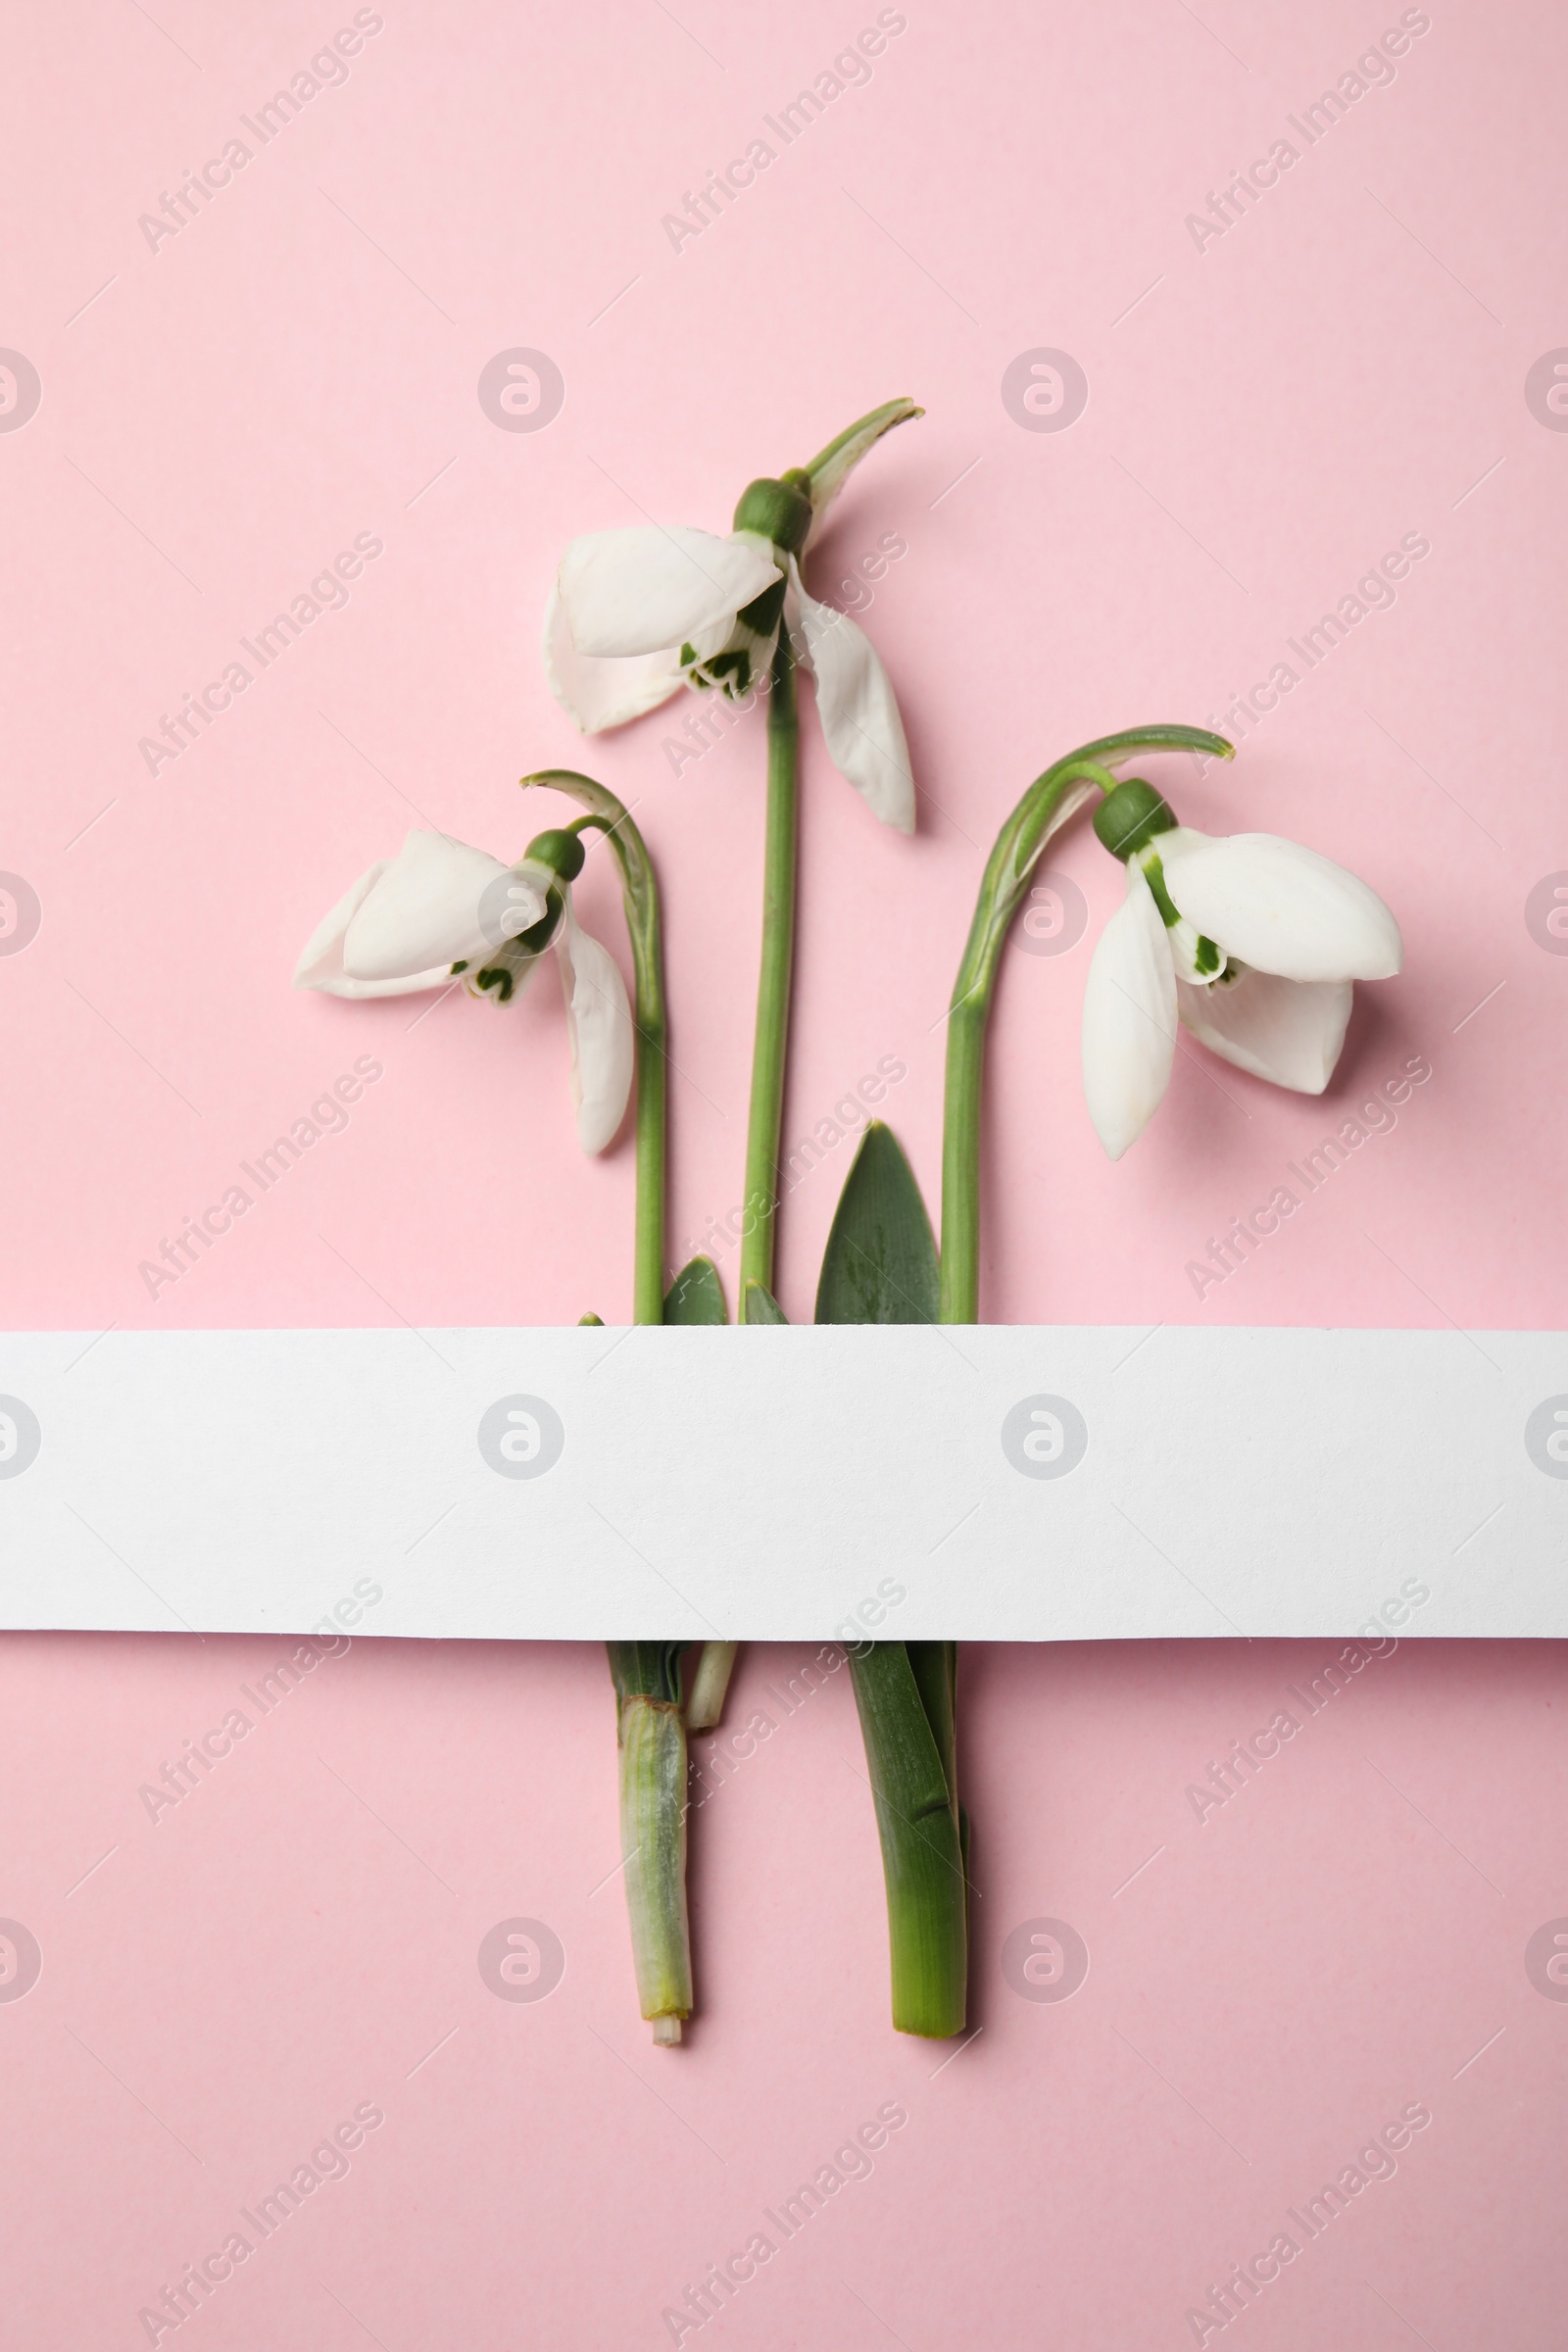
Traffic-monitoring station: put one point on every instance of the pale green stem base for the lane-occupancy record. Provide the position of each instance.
(705, 1707)
(653, 1838)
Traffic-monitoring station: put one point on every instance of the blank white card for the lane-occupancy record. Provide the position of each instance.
(995, 1482)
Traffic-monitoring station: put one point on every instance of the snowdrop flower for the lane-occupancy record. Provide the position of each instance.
(440, 911)
(1250, 941)
(635, 614)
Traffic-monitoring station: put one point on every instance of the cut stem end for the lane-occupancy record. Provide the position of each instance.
(711, 1685)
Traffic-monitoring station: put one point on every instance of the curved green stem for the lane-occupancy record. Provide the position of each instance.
(1051, 799)
(764, 1118)
(650, 1738)
(640, 896)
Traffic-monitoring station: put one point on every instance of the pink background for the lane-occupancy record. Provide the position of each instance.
(1266, 417)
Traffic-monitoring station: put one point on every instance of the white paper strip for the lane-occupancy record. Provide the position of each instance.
(986, 1484)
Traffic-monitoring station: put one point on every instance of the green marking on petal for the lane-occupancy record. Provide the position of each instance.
(761, 615)
(537, 937)
(1155, 876)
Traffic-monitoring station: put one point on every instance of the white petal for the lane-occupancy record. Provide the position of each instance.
(639, 592)
(856, 704)
(321, 965)
(429, 907)
(599, 1024)
(1280, 907)
(1129, 1035)
(1286, 1031)
(598, 690)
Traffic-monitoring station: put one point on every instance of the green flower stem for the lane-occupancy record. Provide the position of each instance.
(765, 1120)
(908, 1691)
(784, 508)
(1048, 803)
(651, 1738)
(904, 1693)
(819, 482)
(640, 896)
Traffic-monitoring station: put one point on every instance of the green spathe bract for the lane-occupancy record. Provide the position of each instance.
(831, 467)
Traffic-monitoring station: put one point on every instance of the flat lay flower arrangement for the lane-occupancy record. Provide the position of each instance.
(1249, 942)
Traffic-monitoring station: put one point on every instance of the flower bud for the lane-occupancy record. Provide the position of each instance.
(778, 511)
(1128, 820)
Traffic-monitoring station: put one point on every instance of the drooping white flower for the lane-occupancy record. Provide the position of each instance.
(636, 614)
(440, 911)
(1248, 941)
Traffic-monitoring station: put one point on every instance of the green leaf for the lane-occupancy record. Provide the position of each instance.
(934, 1666)
(880, 1267)
(922, 1838)
(880, 1263)
(696, 1295)
(760, 1305)
(646, 1669)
